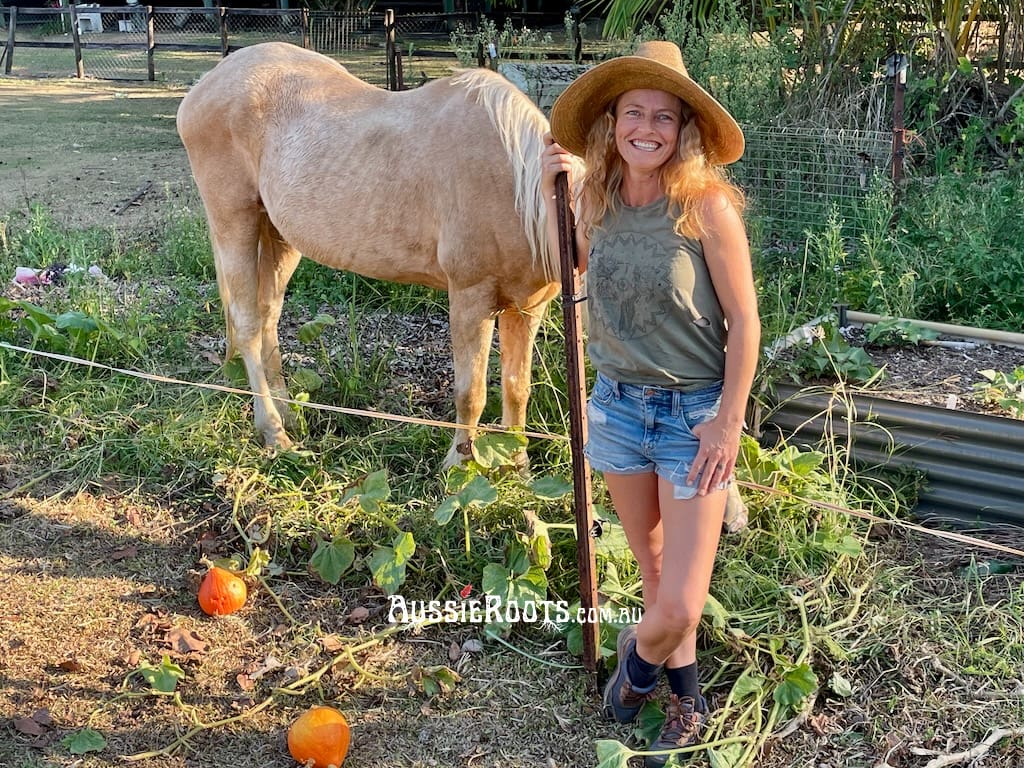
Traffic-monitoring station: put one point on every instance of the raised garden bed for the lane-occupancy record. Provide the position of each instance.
(923, 413)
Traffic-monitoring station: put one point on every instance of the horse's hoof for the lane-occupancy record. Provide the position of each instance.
(278, 439)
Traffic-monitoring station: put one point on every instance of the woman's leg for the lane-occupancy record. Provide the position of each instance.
(690, 529)
(635, 498)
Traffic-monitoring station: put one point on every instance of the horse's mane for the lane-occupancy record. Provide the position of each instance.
(521, 126)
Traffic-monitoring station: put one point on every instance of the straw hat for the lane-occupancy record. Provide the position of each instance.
(656, 65)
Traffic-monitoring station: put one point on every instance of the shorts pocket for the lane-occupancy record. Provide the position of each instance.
(603, 392)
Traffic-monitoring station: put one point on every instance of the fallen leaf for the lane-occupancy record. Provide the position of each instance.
(331, 643)
(208, 543)
(42, 716)
(71, 665)
(269, 665)
(245, 682)
(358, 615)
(454, 651)
(124, 554)
(28, 726)
(185, 641)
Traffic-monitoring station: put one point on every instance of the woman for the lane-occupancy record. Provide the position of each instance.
(673, 334)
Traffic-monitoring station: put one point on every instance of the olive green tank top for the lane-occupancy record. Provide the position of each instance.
(654, 317)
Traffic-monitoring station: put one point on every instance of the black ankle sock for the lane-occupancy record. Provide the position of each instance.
(683, 681)
(642, 674)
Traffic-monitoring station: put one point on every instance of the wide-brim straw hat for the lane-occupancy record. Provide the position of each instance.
(656, 65)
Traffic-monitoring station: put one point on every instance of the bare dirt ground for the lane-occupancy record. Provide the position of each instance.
(85, 165)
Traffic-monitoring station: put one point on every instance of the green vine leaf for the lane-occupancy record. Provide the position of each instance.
(373, 490)
(333, 558)
(307, 380)
(728, 756)
(497, 449)
(387, 564)
(314, 329)
(612, 754)
(550, 487)
(748, 684)
(83, 741)
(163, 678)
(797, 684)
(477, 492)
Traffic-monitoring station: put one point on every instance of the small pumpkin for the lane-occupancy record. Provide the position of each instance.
(320, 734)
(221, 592)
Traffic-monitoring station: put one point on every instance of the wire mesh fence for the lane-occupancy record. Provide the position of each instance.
(137, 42)
(795, 177)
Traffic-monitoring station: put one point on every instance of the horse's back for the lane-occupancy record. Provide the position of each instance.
(252, 90)
(351, 175)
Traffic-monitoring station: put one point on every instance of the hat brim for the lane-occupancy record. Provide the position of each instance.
(579, 105)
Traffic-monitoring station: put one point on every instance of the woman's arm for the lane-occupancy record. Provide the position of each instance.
(727, 254)
(555, 160)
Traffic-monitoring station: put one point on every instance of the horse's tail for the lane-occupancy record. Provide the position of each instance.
(521, 127)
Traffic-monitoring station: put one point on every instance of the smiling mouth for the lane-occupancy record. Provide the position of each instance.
(645, 146)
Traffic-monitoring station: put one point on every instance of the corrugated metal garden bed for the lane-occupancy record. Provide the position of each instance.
(972, 463)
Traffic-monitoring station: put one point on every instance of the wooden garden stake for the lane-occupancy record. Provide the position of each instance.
(576, 379)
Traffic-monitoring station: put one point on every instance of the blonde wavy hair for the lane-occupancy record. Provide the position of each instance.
(687, 179)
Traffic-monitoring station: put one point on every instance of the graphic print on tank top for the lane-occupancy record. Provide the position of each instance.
(640, 285)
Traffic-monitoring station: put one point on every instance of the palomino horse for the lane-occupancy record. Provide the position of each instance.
(438, 186)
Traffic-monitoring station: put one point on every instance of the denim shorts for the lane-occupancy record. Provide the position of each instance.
(634, 429)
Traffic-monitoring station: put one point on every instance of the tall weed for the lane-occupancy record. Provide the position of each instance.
(743, 71)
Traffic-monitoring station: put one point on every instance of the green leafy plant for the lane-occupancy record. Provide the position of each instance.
(894, 332)
(74, 332)
(829, 353)
(163, 677)
(1003, 389)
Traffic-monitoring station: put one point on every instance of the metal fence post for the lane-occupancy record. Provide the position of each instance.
(897, 69)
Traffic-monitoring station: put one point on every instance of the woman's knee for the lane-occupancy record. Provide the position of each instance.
(679, 616)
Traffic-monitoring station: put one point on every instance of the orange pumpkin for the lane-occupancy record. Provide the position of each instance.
(221, 592)
(320, 734)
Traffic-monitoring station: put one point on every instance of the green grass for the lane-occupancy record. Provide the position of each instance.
(803, 601)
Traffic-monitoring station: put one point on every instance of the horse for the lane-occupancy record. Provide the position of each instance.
(438, 186)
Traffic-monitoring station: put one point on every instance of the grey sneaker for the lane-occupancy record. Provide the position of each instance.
(622, 701)
(684, 718)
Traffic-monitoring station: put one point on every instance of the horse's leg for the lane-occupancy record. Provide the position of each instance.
(472, 327)
(235, 233)
(277, 263)
(517, 330)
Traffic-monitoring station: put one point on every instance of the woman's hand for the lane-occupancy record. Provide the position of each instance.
(554, 160)
(716, 458)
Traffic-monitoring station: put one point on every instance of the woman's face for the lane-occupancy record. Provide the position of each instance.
(647, 125)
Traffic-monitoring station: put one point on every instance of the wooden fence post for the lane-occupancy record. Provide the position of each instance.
(223, 31)
(150, 42)
(76, 41)
(389, 37)
(305, 27)
(9, 50)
